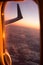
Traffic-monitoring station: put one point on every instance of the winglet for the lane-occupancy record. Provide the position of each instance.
(19, 12)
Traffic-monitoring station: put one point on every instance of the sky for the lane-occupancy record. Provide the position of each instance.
(30, 13)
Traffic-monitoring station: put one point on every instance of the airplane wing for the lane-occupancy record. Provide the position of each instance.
(19, 16)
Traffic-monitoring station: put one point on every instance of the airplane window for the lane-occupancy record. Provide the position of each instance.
(22, 32)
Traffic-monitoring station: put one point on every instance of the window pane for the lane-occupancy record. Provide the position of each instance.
(10, 11)
(23, 36)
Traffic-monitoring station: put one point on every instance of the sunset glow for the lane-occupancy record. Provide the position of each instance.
(29, 11)
(28, 25)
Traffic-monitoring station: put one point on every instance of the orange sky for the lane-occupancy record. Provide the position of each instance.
(24, 24)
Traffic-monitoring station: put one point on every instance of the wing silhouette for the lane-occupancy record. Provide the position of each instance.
(19, 16)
